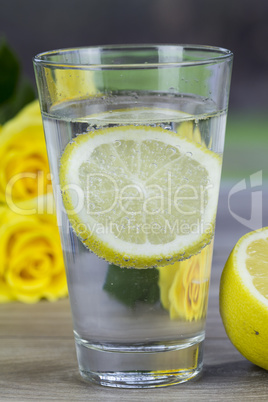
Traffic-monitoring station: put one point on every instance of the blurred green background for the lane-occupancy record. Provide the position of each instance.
(246, 145)
(32, 26)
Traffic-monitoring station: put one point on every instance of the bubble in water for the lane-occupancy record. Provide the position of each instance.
(168, 259)
(120, 170)
(112, 158)
(171, 151)
(166, 127)
(117, 143)
(172, 91)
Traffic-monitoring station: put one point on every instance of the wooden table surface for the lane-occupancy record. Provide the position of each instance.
(38, 361)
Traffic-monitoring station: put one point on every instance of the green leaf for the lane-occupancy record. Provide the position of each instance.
(130, 285)
(24, 94)
(9, 71)
(15, 90)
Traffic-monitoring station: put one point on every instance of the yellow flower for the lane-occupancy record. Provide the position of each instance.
(190, 130)
(184, 286)
(31, 263)
(70, 84)
(24, 169)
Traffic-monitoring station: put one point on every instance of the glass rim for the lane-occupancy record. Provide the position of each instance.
(217, 55)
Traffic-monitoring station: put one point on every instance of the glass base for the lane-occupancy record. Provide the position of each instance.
(139, 367)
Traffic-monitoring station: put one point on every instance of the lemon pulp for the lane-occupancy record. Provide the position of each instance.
(140, 196)
(257, 264)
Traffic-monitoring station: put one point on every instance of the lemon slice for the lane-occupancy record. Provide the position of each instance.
(244, 297)
(140, 196)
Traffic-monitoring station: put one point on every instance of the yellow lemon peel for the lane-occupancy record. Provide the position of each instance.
(244, 297)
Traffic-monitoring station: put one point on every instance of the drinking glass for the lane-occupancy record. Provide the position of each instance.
(135, 138)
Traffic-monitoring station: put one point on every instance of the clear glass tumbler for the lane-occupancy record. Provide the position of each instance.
(135, 138)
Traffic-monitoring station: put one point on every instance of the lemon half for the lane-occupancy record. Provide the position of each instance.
(140, 196)
(244, 297)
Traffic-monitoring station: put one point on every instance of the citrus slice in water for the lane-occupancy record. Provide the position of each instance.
(140, 196)
(244, 297)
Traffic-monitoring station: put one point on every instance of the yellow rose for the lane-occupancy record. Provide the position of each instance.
(70, 84)
(190, 130)
(184, 286)
(24, 169)
(31, 264)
